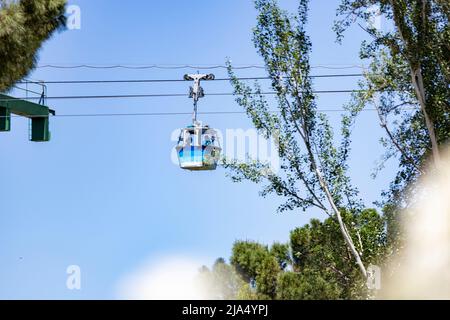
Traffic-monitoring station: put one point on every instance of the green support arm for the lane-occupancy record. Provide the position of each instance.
(38, 114)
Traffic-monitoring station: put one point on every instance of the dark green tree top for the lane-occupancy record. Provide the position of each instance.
(24, 26)
(313, 265)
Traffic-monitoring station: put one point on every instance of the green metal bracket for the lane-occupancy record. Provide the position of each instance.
(5, 119)
(40, 130)
(38, 114)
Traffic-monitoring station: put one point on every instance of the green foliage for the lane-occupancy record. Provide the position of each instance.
(314, 168)
(409, 67)
(222, 281)
(307, 285)
(311, 161)
(315, 264)
(247, 292)
(410, 63)
(266, 278)
(258, 266)
(247, 257)
(24, 26)
(314, 248)
(281, 252)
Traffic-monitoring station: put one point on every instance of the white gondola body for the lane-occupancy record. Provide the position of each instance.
(198, 148)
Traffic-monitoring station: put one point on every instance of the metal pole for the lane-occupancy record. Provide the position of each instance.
(194, 116)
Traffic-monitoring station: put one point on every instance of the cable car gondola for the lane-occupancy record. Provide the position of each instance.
(198, 146)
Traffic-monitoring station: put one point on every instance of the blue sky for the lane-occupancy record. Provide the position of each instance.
(104, 194)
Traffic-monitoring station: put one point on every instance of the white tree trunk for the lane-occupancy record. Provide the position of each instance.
(344, 232)
(417, 80)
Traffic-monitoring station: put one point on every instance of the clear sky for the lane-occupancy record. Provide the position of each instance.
(104, 193)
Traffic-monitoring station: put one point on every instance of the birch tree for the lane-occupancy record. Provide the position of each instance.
(410, 63)
(314, 167)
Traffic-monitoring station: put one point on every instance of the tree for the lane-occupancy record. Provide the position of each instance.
(24, 26)
(259, 267)
(312, 265)
(316, 252)
(409, 67)
(222, 281)
(308, 285)
(314, 168)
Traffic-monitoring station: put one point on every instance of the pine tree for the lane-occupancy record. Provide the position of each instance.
(24, 26)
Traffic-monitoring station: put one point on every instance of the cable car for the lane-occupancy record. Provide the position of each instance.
(198, 146)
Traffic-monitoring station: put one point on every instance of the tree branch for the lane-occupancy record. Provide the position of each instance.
(383, 124)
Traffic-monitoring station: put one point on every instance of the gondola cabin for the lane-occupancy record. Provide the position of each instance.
(198, 148)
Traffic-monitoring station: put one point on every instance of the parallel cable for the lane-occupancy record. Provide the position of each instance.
(179, 113)
(169, 95)
(180, 80)
(186, 66)
(143, 67)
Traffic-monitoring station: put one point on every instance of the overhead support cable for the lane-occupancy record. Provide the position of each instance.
(188, 113)
(160, 95)
(179, 80)
(185, 66)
